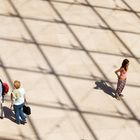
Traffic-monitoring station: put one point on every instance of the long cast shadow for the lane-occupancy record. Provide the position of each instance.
(44, 71)
(131, 9)
(8, 114)
(2, 138)
(67, 48)
(99, 27)
(102, 85)
(95, 6)
(67, 108)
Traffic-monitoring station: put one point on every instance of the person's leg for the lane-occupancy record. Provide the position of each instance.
(120, 87)
(123, 82)
(16, 110)
(23, 117)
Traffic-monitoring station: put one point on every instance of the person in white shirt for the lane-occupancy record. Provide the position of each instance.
(18, 99)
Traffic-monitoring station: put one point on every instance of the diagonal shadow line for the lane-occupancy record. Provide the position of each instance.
(17, 41)
(90, 51)
(124, 116)
(92, 79)
(3, 138)
(64, 86)
(83, 48)
(109, 8)
(94, 62)
(67, 108)
(95, 6)
(72, 24)
(114, 33)
(63, 47)
(31, 122)
(34, 128)
(57, 77)
(10, 81)
(6, 72)
(131, 8)
(124, 102)
(43, 71)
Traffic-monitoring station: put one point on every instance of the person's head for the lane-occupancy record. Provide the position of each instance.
(16, 84)
(125, 64)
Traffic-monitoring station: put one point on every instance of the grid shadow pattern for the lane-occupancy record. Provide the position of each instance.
(62, 31)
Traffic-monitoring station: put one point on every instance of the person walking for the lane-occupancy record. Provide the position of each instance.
(18, 99)
(122, 76)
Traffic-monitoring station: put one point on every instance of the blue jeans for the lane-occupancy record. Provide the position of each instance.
(18, 109)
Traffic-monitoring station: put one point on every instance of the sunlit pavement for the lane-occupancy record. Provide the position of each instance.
(65, 53)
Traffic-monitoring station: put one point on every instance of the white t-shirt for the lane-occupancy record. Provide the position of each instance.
(20, 100)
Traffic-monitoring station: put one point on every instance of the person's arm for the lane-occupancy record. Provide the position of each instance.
(25, 101)
(11, 97)
(117, 71)
(11, 100)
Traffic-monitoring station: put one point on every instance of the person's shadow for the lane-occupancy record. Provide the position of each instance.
(102, 85)
(8, 114)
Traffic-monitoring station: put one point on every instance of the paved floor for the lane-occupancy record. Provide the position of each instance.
(65, 53)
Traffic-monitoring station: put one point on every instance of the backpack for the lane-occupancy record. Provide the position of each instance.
(5, 88)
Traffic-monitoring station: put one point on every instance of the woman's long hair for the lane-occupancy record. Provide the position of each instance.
(124, 64)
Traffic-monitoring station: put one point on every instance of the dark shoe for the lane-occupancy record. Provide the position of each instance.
(120, 95)
(1, 117)
(23, 122)
(16, 122)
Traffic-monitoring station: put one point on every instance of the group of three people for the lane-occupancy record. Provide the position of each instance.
(18, 100)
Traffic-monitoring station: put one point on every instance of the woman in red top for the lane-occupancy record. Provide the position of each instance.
(122, 75)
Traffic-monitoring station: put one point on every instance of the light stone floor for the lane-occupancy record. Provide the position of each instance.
(65, 53)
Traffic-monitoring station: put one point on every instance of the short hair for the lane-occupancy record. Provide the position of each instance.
(17, 84)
